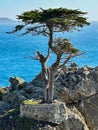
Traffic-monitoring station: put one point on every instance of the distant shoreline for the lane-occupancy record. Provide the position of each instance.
(7, 21)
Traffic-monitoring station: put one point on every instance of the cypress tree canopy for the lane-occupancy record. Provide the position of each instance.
(57, 20)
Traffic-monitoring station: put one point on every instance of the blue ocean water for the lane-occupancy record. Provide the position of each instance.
(14, 51)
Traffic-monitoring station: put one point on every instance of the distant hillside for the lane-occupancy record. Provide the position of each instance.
(6, 21)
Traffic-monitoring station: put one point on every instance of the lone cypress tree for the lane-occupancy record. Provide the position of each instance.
(47, 22)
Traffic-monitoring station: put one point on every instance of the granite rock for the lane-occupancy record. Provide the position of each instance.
(14, 98)
(54, 113)
(16, 83)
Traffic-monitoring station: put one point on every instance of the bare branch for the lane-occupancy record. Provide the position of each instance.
(58, 75)
(68, 59)
(35, 57)
(78, 54)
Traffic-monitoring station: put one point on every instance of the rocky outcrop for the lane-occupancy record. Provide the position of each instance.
(16, 83)
(13, 98)
(55, 114)
(89, 109)
(76, 87)
(76, 84)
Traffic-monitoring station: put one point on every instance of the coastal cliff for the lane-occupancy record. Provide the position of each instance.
(76, 87)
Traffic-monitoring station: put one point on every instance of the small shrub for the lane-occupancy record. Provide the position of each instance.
(27, 102)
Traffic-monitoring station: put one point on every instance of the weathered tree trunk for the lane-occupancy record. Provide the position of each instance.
(43, 61)
(49, 78)
(44, 72)
(49, 89)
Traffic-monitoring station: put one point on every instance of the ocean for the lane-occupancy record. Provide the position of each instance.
(15, 51)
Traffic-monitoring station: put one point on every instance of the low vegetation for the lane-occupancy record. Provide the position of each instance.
(27, 102)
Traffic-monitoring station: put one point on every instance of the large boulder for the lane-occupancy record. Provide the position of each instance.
(54, 113)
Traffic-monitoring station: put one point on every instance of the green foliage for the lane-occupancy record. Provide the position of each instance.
(54, 16)
(64, 46)
(28, 102)
(59, 20)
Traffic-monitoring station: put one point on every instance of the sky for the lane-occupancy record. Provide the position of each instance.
(12, 8)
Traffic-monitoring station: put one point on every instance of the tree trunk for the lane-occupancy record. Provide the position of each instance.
(49, 89)
(44, 72)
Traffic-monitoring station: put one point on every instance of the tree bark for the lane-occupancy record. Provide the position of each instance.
(49, 89)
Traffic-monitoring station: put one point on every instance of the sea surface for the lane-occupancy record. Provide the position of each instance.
(15, 51)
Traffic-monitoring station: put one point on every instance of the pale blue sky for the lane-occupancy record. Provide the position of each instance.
(10, 8)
